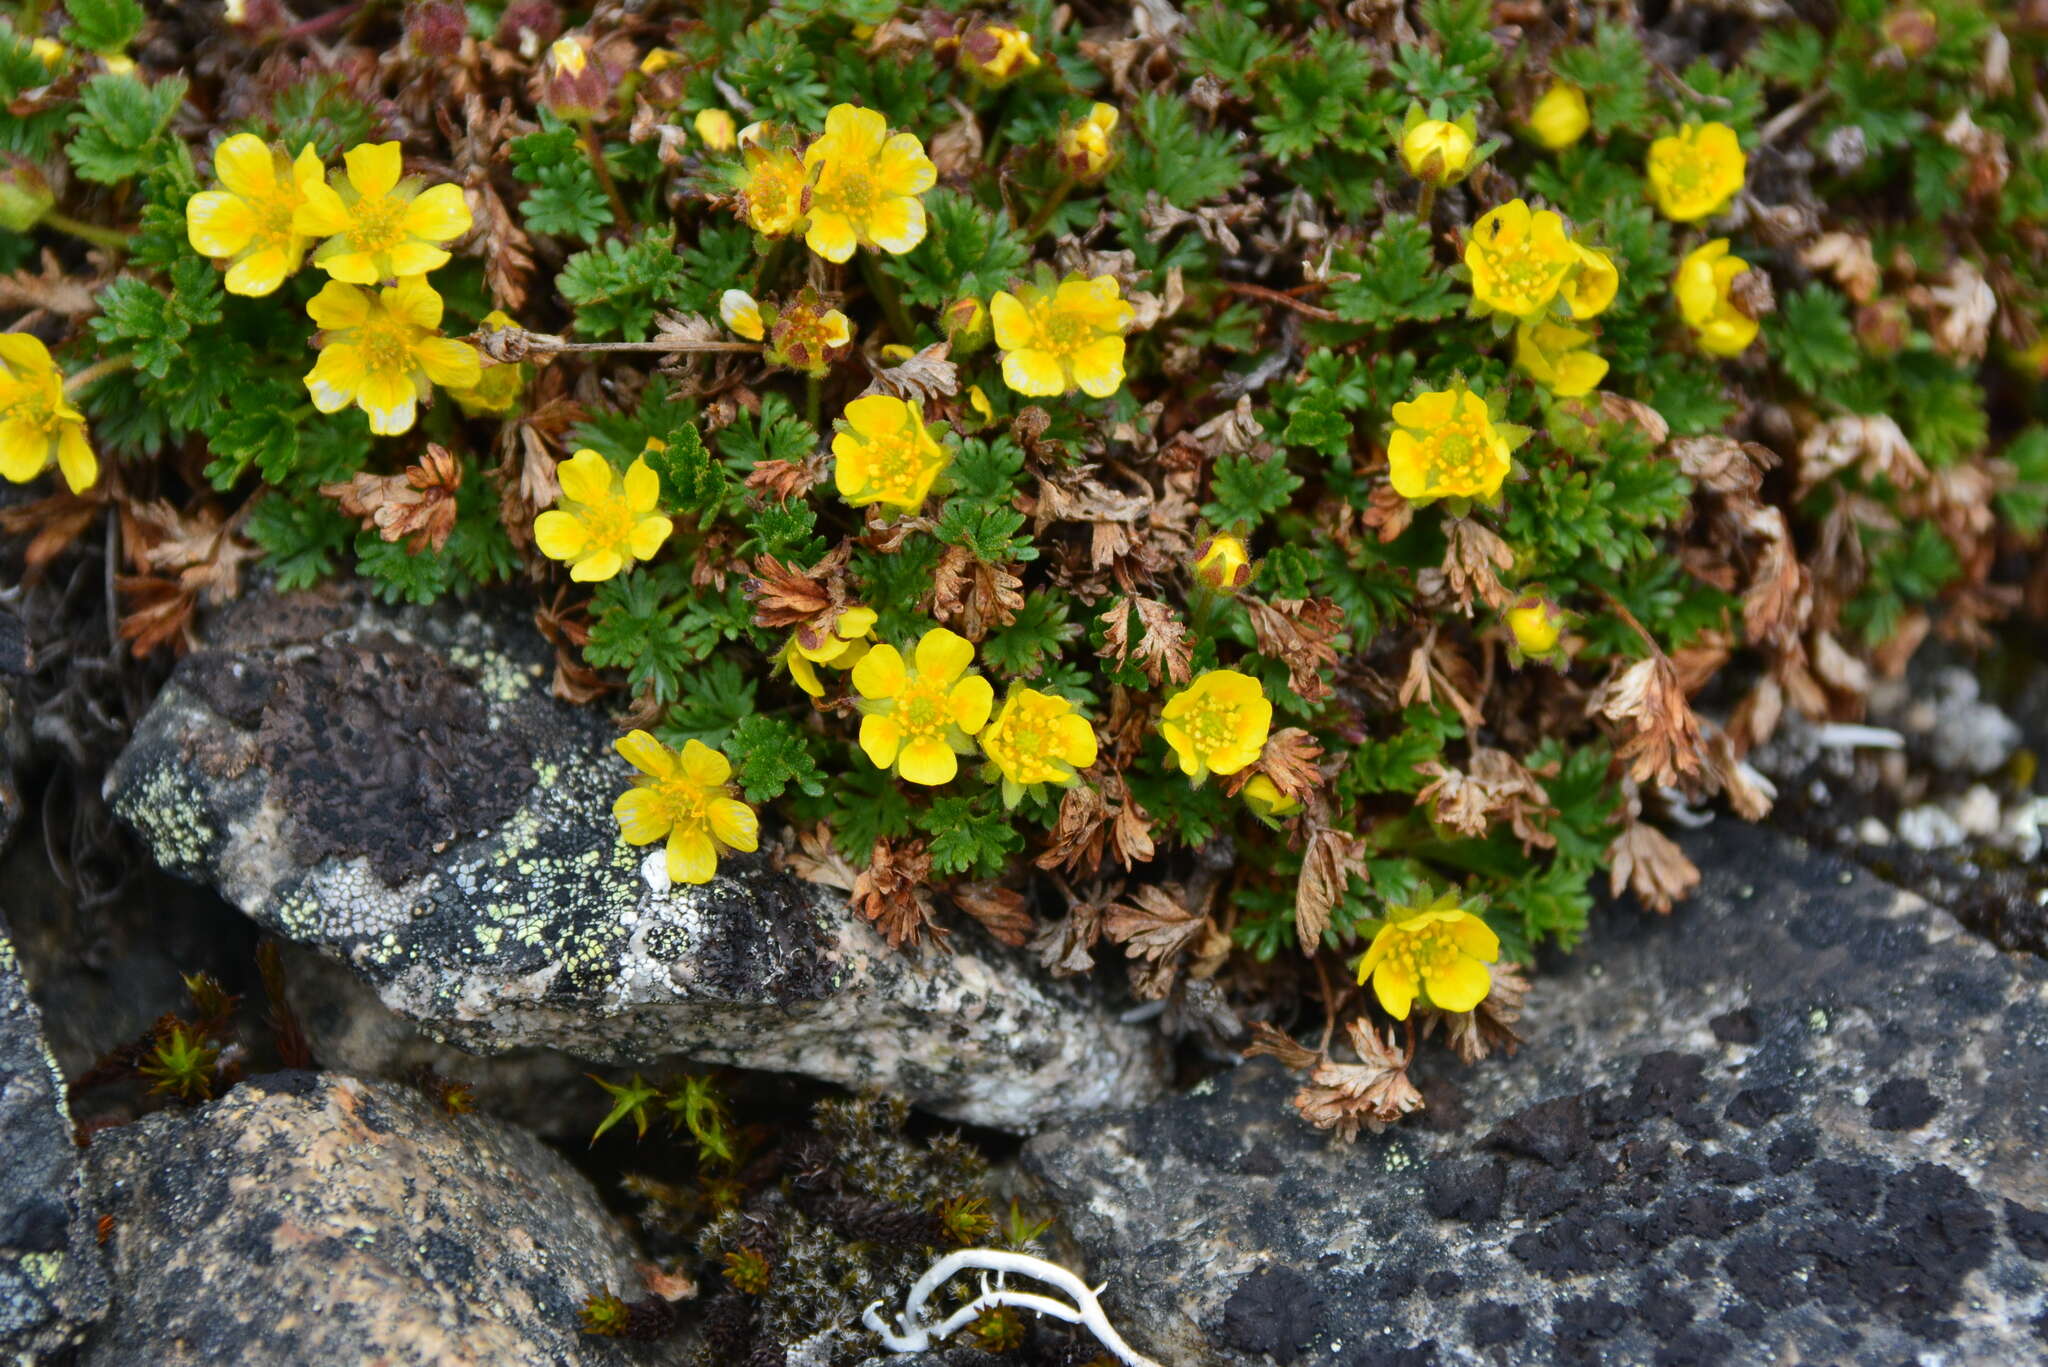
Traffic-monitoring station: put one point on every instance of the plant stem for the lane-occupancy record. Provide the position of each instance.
(813, 400)
(509, 346)
(1049, 208)
(771, 265)
(94, 373)
(594, 146)
(113, 239)
(1425, 207)
(891, 301)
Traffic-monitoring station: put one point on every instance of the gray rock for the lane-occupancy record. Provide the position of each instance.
(315, 1219)
(397, 789)
(1805, 1118)
(52, 1284)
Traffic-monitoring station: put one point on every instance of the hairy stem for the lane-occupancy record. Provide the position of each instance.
(113, 239)
(889, 298)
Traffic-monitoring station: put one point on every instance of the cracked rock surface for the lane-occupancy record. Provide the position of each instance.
(52, 1285)
(396, 789)
(1805, 1118)
(314, 1219)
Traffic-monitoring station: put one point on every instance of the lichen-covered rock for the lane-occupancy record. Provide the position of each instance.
(397, 789)
(312, 1219)
(1805, 1118)
(52, 1285)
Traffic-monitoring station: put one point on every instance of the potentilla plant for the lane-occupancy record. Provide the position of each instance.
(1218, 494)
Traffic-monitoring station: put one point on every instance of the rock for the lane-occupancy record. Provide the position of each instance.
(1804, 1118)
(52, 1284)
(315, 1219)
(398, 790)
(1941, 709)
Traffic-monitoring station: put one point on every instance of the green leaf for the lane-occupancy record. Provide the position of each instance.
(969, 836)
(714, 699)
(1398, 279)
(118, 124)
(567, 200)
(1247, 489)
(1167, 153)
(633, 1098)
(1039, 632)
(769, 755)
(299, 537)
(103, 26)
(618, 288)
(1811, 336)
(2024, 503)
(693, 483)
(967, 250)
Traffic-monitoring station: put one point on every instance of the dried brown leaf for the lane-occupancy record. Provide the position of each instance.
(1329, 860)
(417, 507)
(1649, 864)
(1000, 910)
(1162, 651)
(1666, 735)
(892, 893)
(1370, 1094)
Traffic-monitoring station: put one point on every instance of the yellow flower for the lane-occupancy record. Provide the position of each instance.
(38, 425)
(885, 454)
(685, 798)
(1591, 284)
(1518, 259)
(603, 524)
(1266, 800)
(498, 389)
(918, 721)
(379, 223)
(248, 220)
(841, 646)
(1037, 738)
(1696, 171)
(1085, 152)
(1436, 150)
(1446, 445)
(1558, 357)
(48, 51)
(1438, 952)
(1560, 118)
(742, 314)
(1536, 625)
(803, 334)
(717, 129)
(865, 185)
(567, 55)
(1224, 563)
(382, 351)
(997, 53)
(1702, 285)
(1217, 724)
(1053, 341)
(771, 181)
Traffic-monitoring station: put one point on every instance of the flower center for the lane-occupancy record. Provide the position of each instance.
(609, 523)
(683, 803)
(847, 192)
(1210, 723)
(894, 467)
(386, 347)
(921, 710)
(1027, 745)
(1067, 333)
(378, 224)
(1454, 455)
(1523, 278)
(1424, 951)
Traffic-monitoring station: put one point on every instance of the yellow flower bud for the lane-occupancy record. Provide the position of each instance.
(1085, 152)
(717, 129)
(1560, 118)
(1536, 624)
(1437, 151)
(966, 323)
(1266, 800)
(1224, 563)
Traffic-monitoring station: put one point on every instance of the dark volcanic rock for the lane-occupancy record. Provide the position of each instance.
(51, 1282)
(311, 1219)
(397, 790)
(1805, 1118)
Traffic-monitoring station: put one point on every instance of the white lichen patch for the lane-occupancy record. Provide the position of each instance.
(501, 679)
(170, 813)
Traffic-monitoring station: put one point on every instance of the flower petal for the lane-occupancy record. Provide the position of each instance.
(645, 753)
(448, 362)
(438, 214)
(735, 824)
(928, 761)
(218, 224)
(75, 458)
(560, 536)
(648, 535)
(831, 236)
(969, 703)
(259, 273)
(704, 766)
(322, 213)
(374, 168)
(411, 259)
(1459, 984)
(880, 673)
(585, 477)
(1036, 373)
(1099, 367)
(643, 486)
(692, 858)
(597, 567)
(1395, 987)
(897, 225)
(880, 738)
(1011, 321)
(943, 656)
(1077, 740)
(641, 816)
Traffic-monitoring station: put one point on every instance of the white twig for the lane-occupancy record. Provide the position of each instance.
(913, 1335)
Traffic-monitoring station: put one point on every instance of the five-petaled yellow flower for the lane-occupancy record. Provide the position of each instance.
(382, 351)
(1035, 739)
(686, 799)
(997, 53)
(1518, 259)
(1446, 445)
(1558, 357)
(602, 523)
(499, 388)
(919, 721)
(1560, 118)
(248, 220)
(1590, 286)
(1437, 952)
(1085, 151)
(865, 185)
(771, 181)
(1217, 724)
(1696, 171)
(38, 425)
(885, 454)
(1056, 340)
(841, 646)
(1702, 285)
(1437, 150)
(379, 223)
